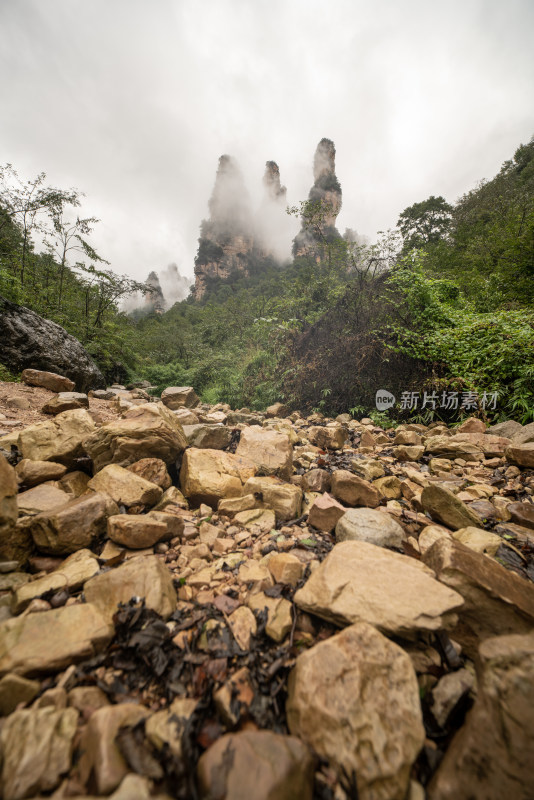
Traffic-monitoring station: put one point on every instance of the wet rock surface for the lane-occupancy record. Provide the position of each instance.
(30, 342)
(295, 610)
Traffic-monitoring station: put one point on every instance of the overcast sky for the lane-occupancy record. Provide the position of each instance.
(133, 101)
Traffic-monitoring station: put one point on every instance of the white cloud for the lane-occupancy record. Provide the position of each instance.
(134, 102)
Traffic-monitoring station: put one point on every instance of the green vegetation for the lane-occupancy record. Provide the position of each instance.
(66, 281)
(443, 304)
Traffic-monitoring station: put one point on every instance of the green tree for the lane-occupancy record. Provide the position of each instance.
(425, 223)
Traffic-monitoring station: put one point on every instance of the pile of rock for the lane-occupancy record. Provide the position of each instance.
(264, 605)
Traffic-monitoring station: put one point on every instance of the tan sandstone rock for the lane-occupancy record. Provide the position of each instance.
(146, 576)
(50, 641)
(30, 473)
(208, 476)
(352, 490)
(125, 487)
(521, 454)
(256, 764)
(496, 602)
(153, 470)
(60, 439)
(354, 699)
(369, 525)
(269, 450)
(284, 498)
(48, 380)
(328, 438)
(37, 750)
(445, 507)
(359, 582)
(491, 756)
(102, 764)
(179, 397)
(71, 574)
(325, 512)
(73, 525)
(10, 547)
(147, 431)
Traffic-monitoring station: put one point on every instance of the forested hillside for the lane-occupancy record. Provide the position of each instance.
(442, 305)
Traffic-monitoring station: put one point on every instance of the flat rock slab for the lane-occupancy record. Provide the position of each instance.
(256, 764)
(354, 699)
(48, 380)
(52, 640)
(125, 487)
(65, 401)
(73, 525)
(145, 576)
(360, 582)
(71, 574)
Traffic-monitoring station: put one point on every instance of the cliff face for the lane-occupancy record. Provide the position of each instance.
(237, 240)
(326, 193)
(226, 237)
(154, 301)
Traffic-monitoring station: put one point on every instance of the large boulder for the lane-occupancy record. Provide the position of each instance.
(179, 397)
(147, 431)
(271, 451)
(60, 439)
(354, 698)
(360, 582)
(37, 745)
(72, 526)
(208, 476)
(32, 342)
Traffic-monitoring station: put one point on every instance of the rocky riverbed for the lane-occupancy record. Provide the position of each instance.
(197, 602)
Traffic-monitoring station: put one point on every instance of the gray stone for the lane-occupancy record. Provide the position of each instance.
(369, 525)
